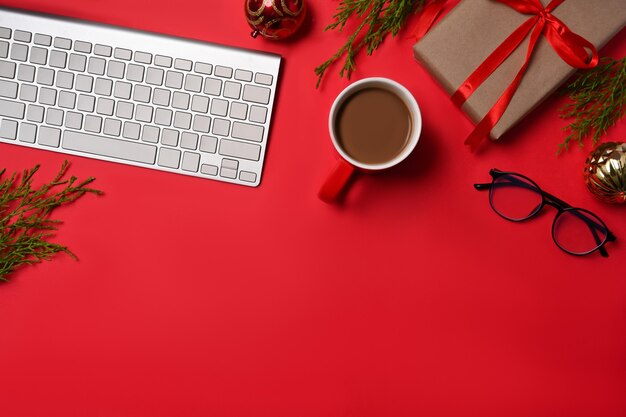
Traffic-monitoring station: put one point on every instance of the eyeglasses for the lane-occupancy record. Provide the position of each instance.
(517, 198)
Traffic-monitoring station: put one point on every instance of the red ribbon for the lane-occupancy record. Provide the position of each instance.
(572, 48)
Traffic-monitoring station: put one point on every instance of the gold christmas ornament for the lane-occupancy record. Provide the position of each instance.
(605, 172)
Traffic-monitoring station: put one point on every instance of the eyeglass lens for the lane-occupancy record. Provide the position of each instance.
(514, 197)
(578, 232)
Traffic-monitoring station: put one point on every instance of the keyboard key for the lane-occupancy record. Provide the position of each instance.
(84, 83)
(180, 100)
(183, 64)
(112, 148)
(54, 117)
(103, 50)
(154, 76)
(247, 176)
(208, 144)
(163, 117)
(81, 46)
(112, 127)
(223, 72)
(125, 110)
(189, 141)
(96, 66)
(256, 94)
(201, 124)
(12, 109)
(104, 87)
(28, 93)
(150, 134)
(200, 104)
(169, 137)
(62, 43)
(213, 86)
(131, 130)
(230, 163)
(209, 169)
(243, 75)
(4, 49)
(86, 103)
(73, 120)
(8, 89)
(5, 33)
(67, 99)
(247, 132)
(43, 40)
(122, 90)
(19, 52)
(221, 127)
(7, 69)
(22, 36)
(93, 123)
(232, 90)
(169, 158)
(258, 114)
(240, 150)
(228, 173)
(45, 76)
(38, 55)
(264, 79)
(28, 133)
(77, 62)
(143, 113)
(163, 61)
(49, 136)
(174, 79)
(121, 53)
(219, 107)
(8, 129)
(116, 69)
(191, 161)
(135, 73)
(26, 73)
(239, 111)
(143, 57)
(202, 68)
(142, 93)
(161, 97)
(58, 59)
(47, 96)
(65, 80)
(105, 106)
(182, 120)
(35, 113)
(193, 83)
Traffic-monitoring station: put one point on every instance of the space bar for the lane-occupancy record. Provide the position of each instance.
(112, 148)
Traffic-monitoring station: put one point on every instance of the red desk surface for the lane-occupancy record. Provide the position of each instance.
(198, 298)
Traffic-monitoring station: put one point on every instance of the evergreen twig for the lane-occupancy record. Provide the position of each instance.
(25, 223)
(378, 19)
(598, 101)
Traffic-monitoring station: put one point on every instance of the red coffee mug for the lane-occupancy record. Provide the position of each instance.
(347, 166)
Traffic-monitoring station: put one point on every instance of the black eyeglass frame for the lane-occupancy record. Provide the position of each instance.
(561, 206)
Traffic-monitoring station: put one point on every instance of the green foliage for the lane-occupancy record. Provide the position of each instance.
(25, 223)
(598, 101)
(378, 19)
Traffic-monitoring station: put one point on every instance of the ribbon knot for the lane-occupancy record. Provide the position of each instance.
(572, 48)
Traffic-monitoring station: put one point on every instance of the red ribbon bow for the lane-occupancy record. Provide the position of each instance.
(572, 48)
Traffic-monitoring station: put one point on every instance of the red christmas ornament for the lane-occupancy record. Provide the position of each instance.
(275, 19)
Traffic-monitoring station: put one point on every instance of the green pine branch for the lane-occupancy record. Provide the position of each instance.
(25, 223)
(379, 18)
(598, 101)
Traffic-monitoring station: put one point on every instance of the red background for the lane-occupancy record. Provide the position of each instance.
(199, 298)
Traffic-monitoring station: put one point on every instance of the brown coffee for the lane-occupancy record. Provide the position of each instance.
(373, 125)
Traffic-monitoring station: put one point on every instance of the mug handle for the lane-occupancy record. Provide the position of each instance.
(336, 181)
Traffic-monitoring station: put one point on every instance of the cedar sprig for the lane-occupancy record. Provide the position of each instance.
(25, 223)
(598, 101)
(378, 19)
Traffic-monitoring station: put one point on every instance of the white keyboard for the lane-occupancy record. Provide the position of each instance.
(137, 98)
